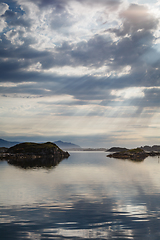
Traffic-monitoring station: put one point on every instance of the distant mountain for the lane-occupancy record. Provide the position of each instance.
(66, 145)
(94, 149)
(4, 143)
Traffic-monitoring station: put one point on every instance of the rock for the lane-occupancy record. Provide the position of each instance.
(3, 149)
(137, 154)
(35, 154)
(116, 149)
(155, 148)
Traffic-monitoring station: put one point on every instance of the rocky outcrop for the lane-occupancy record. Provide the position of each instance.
(151, 148)
(34, 154)
(137, 154)
(116, 149)
(3, 149)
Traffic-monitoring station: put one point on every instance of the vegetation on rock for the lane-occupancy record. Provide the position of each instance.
(34, 154)
(35, 148)
(136, 154)
(116, 149)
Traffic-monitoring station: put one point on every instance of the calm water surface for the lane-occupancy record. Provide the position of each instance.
(87, 196)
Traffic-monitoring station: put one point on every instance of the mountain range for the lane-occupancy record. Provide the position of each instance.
(60, 144)
(67, 145)
(4, 143)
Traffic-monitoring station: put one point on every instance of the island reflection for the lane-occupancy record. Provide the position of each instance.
(46, 163)
(30, 155)
(88, 196)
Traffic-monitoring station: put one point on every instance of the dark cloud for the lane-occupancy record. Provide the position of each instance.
(82, 88)
(12, 66)
(86, 88)
(21, 22)
(16, 17)
(61, 17)
(23, 51)
(145, 106)
(9, 14)
(60, 4)
(69, 102)
(151, 99)
(98, 51)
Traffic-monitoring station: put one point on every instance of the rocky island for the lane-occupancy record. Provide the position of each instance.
(116, 149)
(136, 154)
(30, 154)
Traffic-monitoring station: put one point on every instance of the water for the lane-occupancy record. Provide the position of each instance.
(86, 196)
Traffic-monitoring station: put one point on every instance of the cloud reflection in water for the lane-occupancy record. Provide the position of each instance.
(87, 196)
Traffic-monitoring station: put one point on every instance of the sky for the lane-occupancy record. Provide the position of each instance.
(81, 71)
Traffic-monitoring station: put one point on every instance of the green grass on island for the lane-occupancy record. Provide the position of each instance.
(35, 148)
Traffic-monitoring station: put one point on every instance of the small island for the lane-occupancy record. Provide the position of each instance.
(136, 154)
(30, 154)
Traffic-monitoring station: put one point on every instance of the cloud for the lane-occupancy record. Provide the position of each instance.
(86, 50)
(150, 100)
(59, 4)
(3, 8)
(111, 4)
(15, 17)
(61, 20)
(9, 14)
(99, 50)
(136, 18)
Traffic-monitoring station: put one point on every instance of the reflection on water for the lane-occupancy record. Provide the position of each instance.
(47, 162)
(87, 196)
